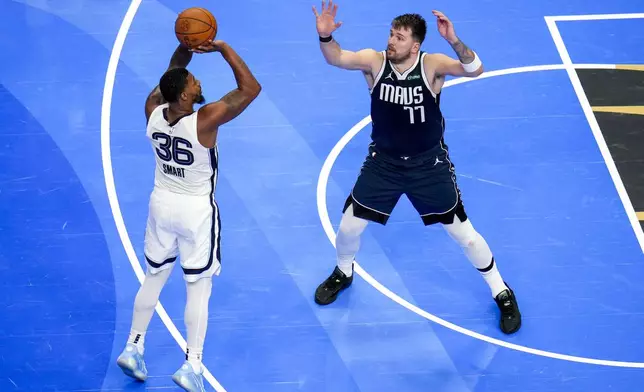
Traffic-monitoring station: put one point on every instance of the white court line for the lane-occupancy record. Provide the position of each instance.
(568, 18)
(592, 120)
(106, 154)
(328, 229)
(531, 68)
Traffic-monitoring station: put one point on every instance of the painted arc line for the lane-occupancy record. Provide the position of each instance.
(106, 155)
(328, 229)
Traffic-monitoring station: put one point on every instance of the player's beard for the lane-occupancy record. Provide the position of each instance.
(400, 59)
(200, 99)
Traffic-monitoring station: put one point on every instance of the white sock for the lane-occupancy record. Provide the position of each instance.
(195, 360)
(493, 279)
(347, 241)
(138, 339)
(146, 300)
(478, 252)
(196, 319)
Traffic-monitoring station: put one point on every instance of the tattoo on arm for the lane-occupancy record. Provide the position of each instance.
(465, 54)
(234, 99)
(156, 97)
(243, 77)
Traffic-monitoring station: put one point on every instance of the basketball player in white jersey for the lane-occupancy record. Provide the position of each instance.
(183, 221)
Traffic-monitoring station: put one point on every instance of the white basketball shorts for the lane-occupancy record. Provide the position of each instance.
(185, 227)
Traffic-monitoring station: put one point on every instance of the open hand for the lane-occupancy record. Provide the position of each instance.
(445, 27)
(325, 22)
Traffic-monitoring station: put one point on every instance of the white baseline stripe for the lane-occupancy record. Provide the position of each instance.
(109, 177)
(568, 18)
(328, 229)
(597, 133)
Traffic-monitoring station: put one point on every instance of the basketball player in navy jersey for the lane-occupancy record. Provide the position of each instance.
(408, 154)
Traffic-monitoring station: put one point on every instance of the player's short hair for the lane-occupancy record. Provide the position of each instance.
(172, 84)
(413, 22)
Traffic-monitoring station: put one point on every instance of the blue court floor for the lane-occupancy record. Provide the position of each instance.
(78, 171)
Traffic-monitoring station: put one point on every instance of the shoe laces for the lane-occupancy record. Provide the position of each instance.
(334, 280)
(506, 304)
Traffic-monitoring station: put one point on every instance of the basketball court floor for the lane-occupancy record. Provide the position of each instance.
(548, 146)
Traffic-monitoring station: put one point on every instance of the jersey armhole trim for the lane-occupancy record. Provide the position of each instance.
(424, 75)
(159, 108)
(382, 70)
(154, 115)
(195, 124)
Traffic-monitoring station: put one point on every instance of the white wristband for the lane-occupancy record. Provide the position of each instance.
(474, 65)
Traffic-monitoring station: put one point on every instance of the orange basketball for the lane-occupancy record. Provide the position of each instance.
(194, 26)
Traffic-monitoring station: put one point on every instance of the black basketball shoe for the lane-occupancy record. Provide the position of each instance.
(510, 314)
(328, 291)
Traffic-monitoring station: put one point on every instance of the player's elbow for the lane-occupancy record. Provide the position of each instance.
(476, 73)
(256, 90)
(333, 60)
(479, 71)
(252, 91)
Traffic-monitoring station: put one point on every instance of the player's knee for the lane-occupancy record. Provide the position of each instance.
(198, 295)
(145, 301)
(350, 225)
(463, 233)
(468, 241)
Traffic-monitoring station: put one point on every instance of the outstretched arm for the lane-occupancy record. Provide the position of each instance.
(365, 60)
(180, 59)
(468, 63)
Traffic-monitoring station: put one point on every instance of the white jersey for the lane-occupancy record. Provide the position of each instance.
(183, 165)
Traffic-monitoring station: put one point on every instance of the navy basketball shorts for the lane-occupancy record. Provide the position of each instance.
(428, 180)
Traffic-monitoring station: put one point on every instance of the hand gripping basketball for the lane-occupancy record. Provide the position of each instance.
(194, 26)
(209, 47)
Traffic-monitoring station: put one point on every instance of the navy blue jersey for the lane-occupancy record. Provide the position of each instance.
(405, 113)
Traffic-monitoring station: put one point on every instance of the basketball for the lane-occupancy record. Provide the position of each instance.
(194, 26)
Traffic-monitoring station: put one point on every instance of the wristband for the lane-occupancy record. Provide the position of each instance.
(474, 65)
(326, 39)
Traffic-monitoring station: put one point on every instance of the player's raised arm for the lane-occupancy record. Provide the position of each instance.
(468, 63)
(180, 59)
(231, 105)
(364, 60)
